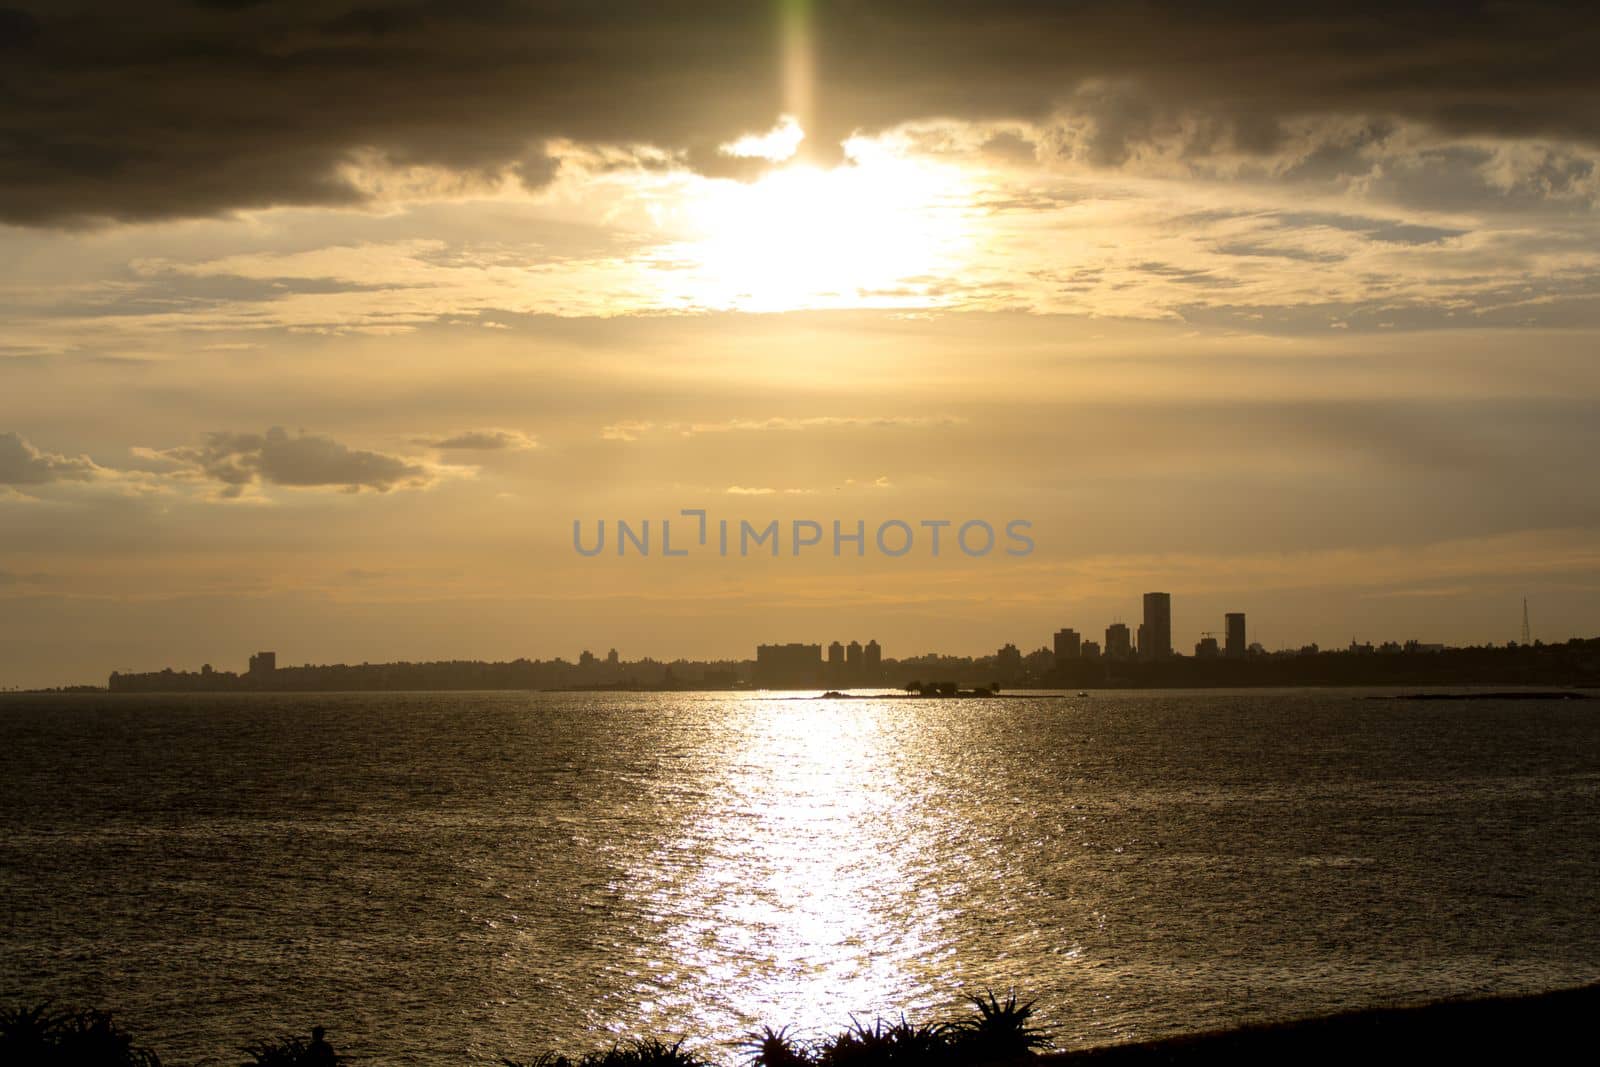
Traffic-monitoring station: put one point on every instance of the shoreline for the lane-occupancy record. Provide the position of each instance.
(1535, 1027)
(1428, 691)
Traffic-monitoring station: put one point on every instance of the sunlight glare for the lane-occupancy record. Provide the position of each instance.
(872, 232)
(777, 144)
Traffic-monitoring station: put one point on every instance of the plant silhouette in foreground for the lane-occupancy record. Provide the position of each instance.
(38, 1035)
(775, 1048)
(642, 1052)
(1003, 1030)
(294, 1052)
(885, 1043)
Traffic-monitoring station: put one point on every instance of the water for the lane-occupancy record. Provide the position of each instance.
(460, 877)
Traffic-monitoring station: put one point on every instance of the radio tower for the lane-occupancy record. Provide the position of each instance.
(1527, 635)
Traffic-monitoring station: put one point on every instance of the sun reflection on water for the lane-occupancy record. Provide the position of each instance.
(792, 894)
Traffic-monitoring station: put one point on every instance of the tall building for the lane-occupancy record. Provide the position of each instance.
(1068, 645)
(1157, 642)
(1008, 662)
(1206, 648)
(788, 665)
(1119, 641)
(872, 657)
(1235, 646)
(852, 657)
(263, 663)
(836, 655)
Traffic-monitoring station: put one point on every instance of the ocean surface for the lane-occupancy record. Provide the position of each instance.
(449, 877)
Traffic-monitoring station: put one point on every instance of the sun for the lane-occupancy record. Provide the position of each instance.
(873, 231)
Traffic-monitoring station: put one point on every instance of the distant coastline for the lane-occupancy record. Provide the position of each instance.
(1574, 663)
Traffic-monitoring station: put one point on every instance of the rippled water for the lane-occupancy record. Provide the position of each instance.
(459, 877)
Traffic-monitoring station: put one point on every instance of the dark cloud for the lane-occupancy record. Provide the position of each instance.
(1185, 275)
(23, 464)
(1259, 250)
(240, 460)
(482, 441)
(1385, 230)
(179, 109)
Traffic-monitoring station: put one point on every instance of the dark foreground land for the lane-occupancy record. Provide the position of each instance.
(1546, 1028)
(1565, 694)
(1549, 1028)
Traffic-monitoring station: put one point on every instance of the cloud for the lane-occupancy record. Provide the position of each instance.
(632, 431)
(1422, 593)
(814, 422)
(776, 145)
(627, 430)
(23, 464)
(482, 441)
(241, 461)
(303, 102)
(364, 574)
(1271, 244)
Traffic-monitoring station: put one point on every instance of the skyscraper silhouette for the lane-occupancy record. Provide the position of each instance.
(1119, 641)
(1234, 647)
(1157, 626)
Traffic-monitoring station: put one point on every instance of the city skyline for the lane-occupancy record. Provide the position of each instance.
(800, 666)
(787, 662)
(1093, 642)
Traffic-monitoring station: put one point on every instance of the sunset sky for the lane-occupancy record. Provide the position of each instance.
(324, 321)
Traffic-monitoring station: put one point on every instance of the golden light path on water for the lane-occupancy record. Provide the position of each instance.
(796, 896)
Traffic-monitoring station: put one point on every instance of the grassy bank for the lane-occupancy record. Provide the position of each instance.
(1547, 1028)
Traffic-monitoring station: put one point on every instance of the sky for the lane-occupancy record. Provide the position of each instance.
(325, 322)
